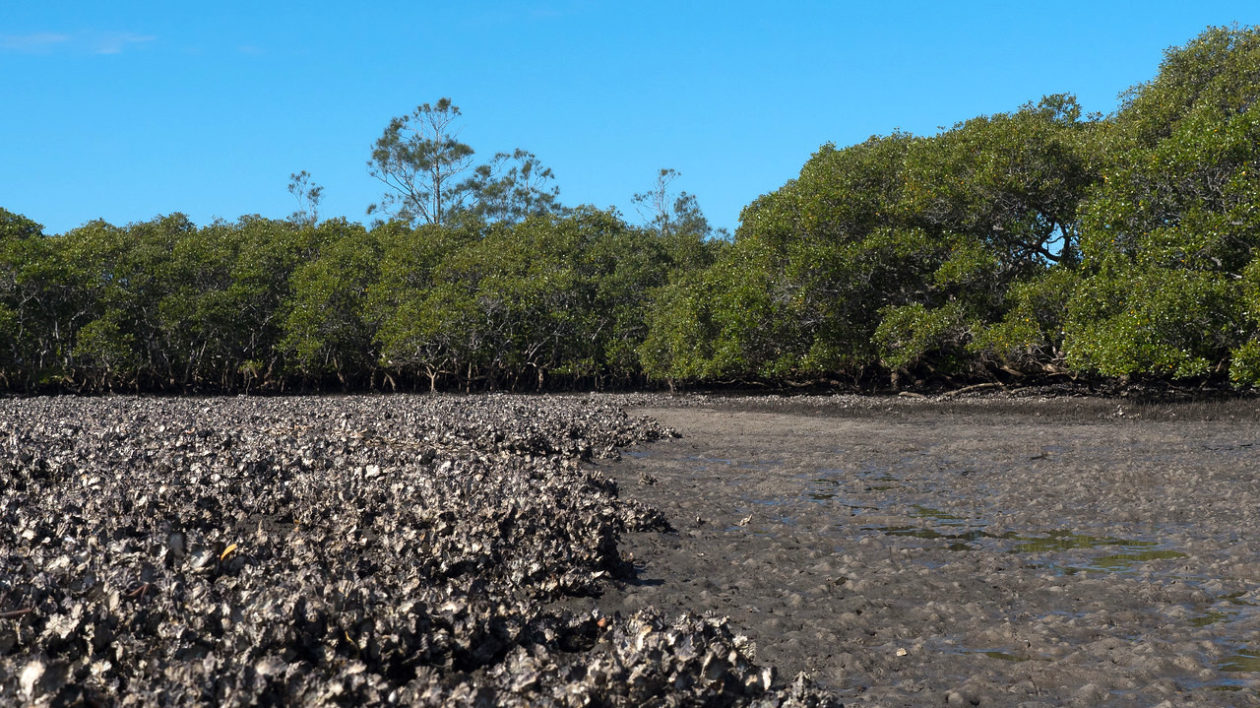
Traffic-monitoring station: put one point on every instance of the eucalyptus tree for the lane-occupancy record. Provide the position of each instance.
(421, 161)
(512, 187)
(308, 195)
(432, 179)
(675, 217)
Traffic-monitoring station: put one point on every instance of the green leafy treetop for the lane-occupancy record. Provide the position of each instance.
(420, 160)
(307, 194)
(431, 178)
(1169, 236)
(16, 226)
(511, 187)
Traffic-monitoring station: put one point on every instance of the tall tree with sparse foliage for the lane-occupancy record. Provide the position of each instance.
(421, 161)
(307, 194)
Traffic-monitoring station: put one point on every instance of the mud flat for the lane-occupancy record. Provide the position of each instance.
(991, 552)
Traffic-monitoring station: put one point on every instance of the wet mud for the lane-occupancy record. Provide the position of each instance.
(991, 552)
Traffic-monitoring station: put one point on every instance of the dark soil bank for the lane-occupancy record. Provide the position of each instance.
(905, 552)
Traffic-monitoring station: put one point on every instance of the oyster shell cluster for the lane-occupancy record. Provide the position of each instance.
(336, 551)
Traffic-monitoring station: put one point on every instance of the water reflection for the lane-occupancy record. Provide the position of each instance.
(1246, 660)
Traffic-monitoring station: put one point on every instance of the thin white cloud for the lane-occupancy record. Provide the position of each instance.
(34, 43)
(91, 42)
(116, 42)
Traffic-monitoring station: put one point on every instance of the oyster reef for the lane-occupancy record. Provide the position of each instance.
(337, 551)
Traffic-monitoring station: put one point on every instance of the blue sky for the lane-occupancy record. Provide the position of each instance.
(126, 110)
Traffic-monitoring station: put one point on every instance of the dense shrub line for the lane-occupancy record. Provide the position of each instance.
(1035, 241)
(263, 304)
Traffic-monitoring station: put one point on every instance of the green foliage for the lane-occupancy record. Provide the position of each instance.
(1029, 336)
(1029, 241)
(891, 253)
(418, 325)
(730, 320)
(751, 311)
(625, 267)
(1175, 323)
(15, 227)
(106, 350)
(1244, 366)
(799, 292)
(912, 334)
(1168, 234)
(1245, 356)
(680, 332)
(536, 293)
(511, 187)
(20, 252)
(550, 296)
(325, 329)
(420, 161)
(996, 198)
(1010, 181)
(1216, 71)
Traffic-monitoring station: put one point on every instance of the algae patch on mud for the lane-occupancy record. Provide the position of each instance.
(1244, 661)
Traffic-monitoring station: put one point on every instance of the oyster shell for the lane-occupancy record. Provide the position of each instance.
(335, 550)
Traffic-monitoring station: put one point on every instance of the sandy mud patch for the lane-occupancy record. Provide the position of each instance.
(997, 553)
